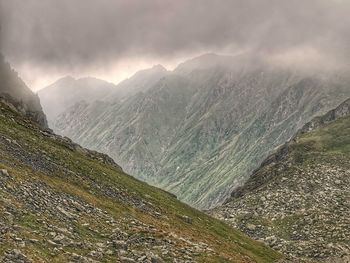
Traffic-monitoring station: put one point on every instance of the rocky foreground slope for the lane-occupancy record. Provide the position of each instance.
(62, 203)
(204, 127)
(298, 201)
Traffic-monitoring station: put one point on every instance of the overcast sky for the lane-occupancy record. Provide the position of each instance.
(111, 39)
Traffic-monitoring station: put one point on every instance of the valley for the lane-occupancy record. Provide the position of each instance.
(201, 130)
(62, 203)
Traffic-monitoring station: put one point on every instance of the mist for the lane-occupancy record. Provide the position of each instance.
(112, 39)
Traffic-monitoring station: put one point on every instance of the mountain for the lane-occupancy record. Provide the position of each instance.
(203, 128)
(62, 203)
(139, 82)
(298, 200)
(15, 91)
(67, 91)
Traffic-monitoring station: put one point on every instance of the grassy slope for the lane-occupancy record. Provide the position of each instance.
(77, 175)
(331, 139)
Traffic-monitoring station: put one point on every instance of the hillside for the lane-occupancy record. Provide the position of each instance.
(298, 201)
(13, 89)
(62, 203)
(204, 127)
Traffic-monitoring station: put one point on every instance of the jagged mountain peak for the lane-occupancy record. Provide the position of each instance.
(144, 73)
(67, 91)
(141, 81)
(159, 67)
(69, 80)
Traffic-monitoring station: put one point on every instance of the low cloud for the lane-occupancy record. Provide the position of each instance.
(75, 35)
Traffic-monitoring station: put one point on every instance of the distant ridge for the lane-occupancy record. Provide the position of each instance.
(67, 91)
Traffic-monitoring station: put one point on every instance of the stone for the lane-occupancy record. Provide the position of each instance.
(186, 219)
(4, 172)
(126, 260)
(251, 227)
(156, 259)
(120, 244)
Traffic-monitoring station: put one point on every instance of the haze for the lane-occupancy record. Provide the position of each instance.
(112, 39)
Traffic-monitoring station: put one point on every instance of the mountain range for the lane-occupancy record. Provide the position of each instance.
(60, 202)
(200, 130)
(67, 91)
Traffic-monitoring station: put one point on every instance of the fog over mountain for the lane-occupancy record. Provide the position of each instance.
(67, 91)
(197, 119)
(112, 39)
(126, 126)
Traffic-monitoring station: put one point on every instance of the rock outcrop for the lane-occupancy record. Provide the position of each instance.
(14, 92)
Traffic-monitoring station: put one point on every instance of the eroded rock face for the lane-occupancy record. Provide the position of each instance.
(14, 92)
(298, 201)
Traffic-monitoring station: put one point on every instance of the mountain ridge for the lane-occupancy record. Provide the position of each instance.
(67, 91)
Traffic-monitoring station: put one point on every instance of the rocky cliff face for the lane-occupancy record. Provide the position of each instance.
(202, 129)
(62, 203)
(15, 92)
(298, 200)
